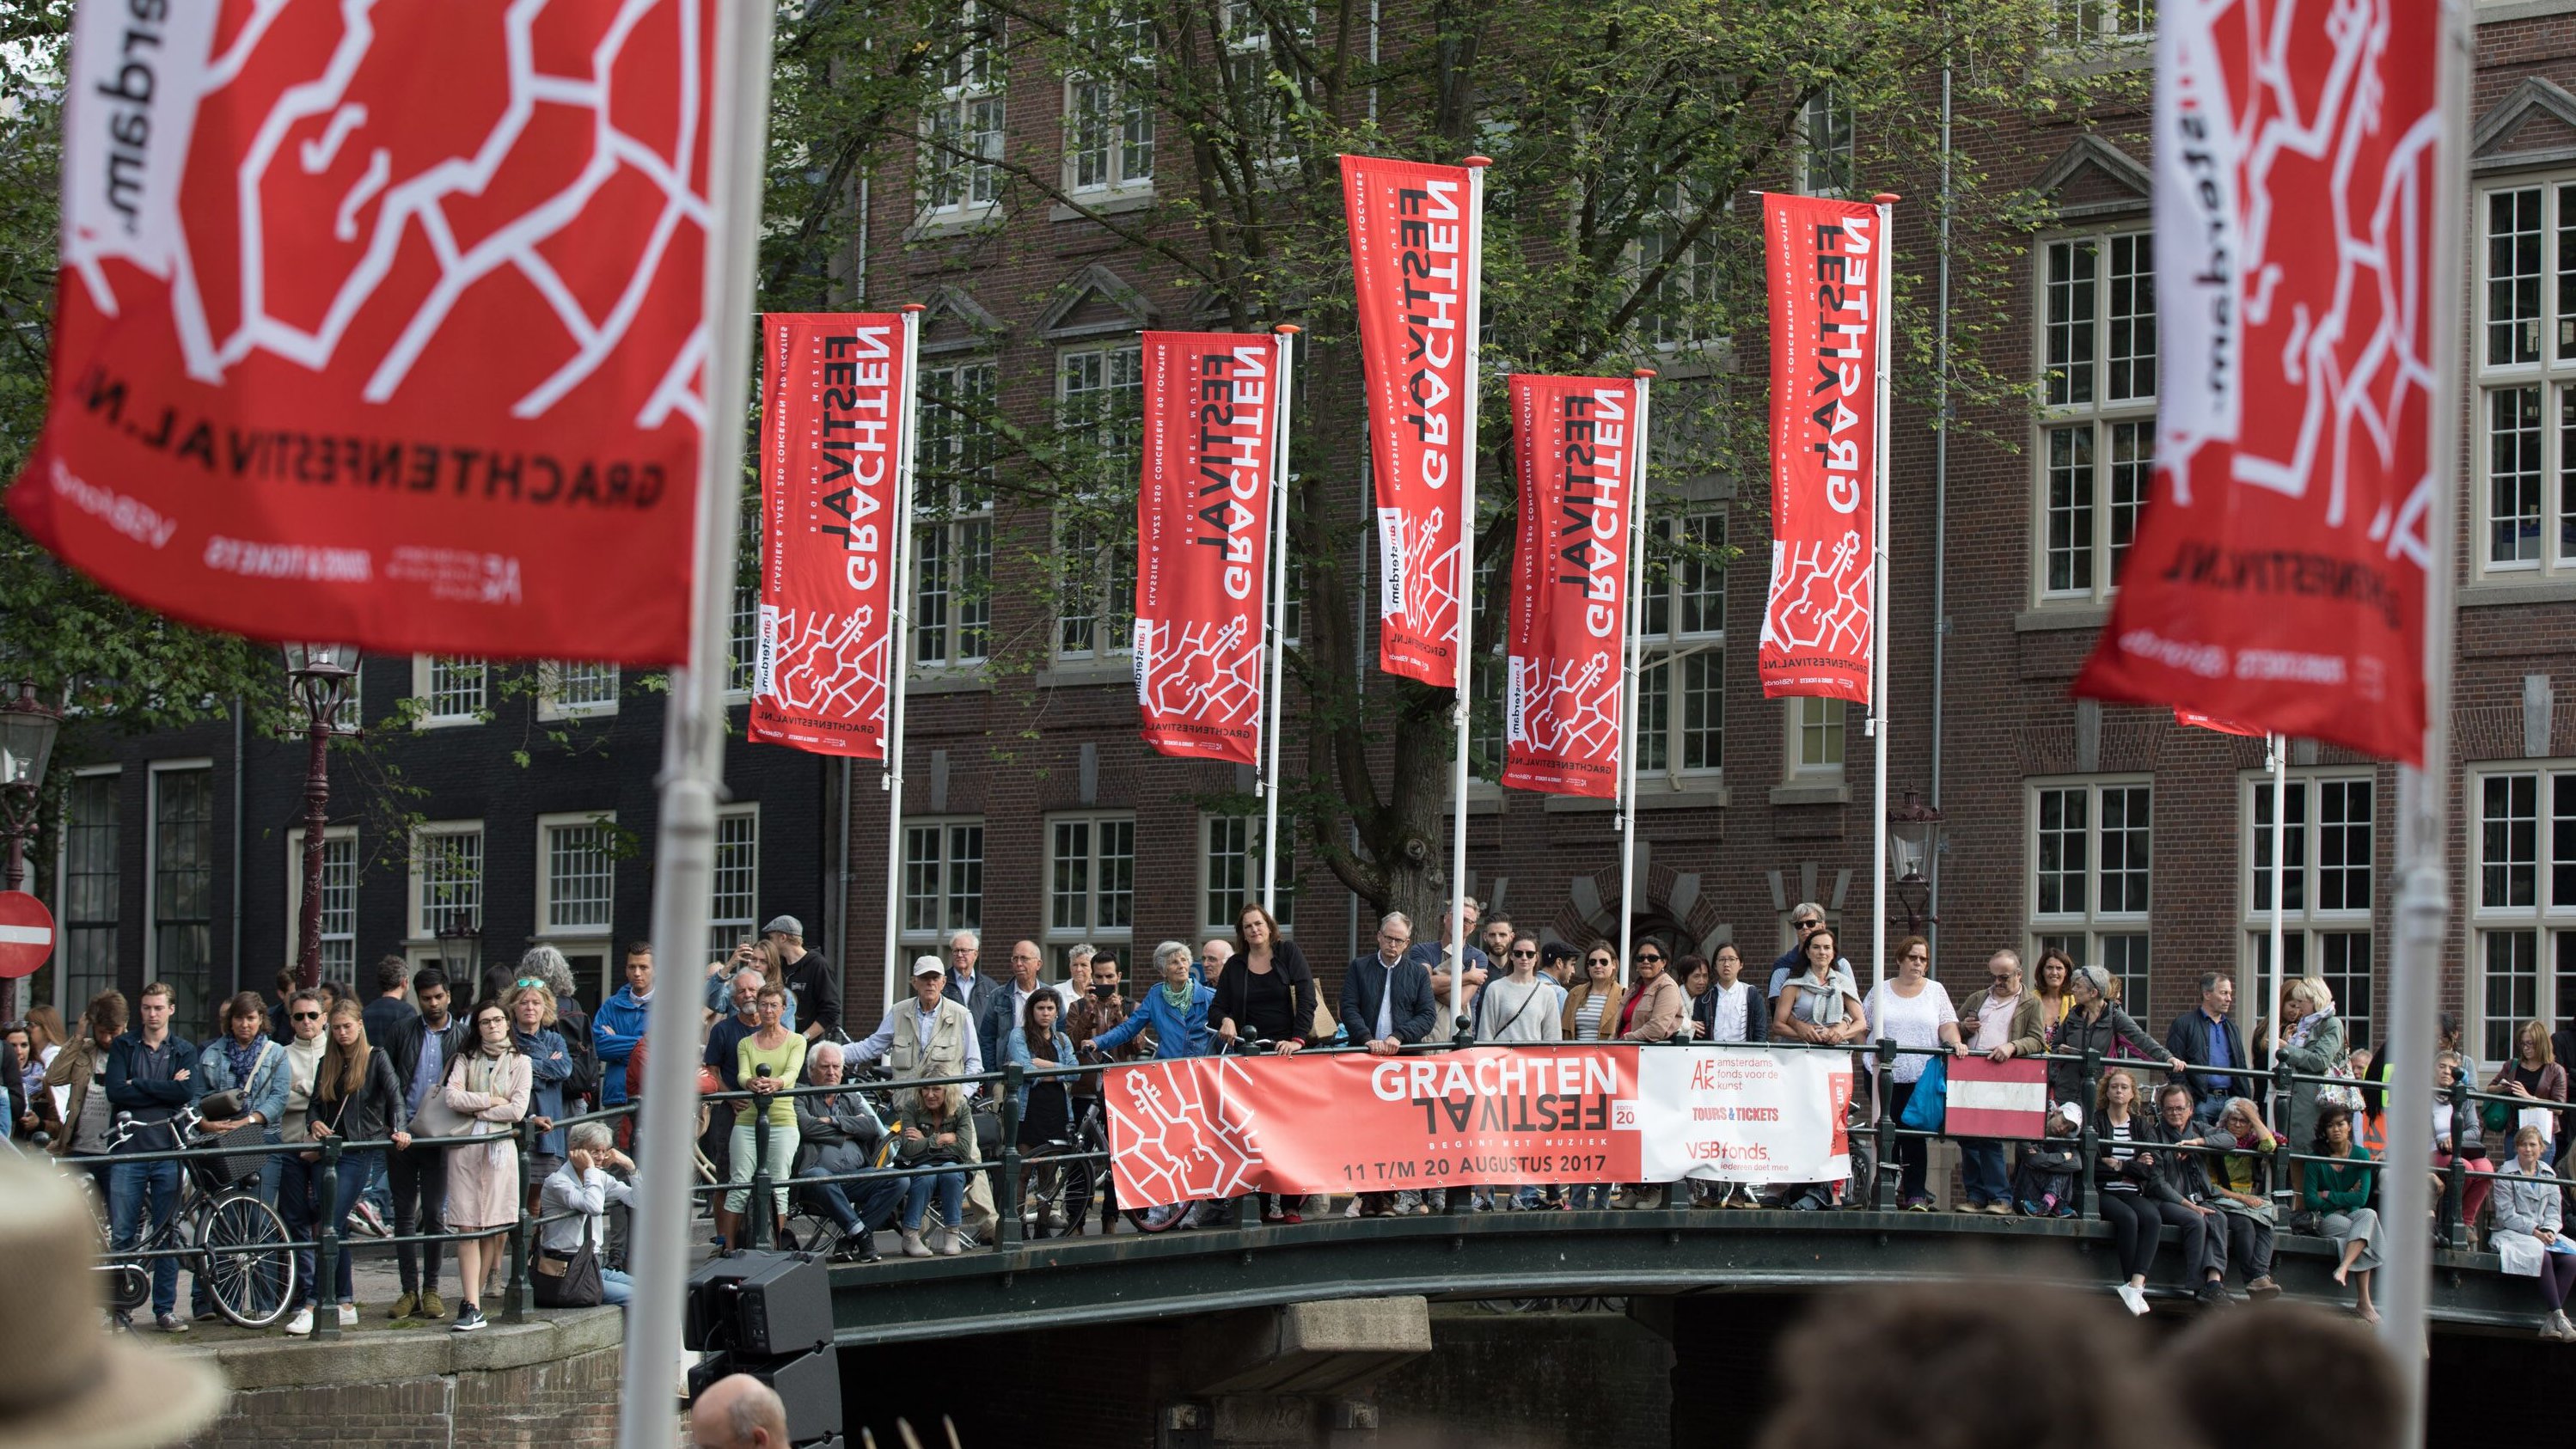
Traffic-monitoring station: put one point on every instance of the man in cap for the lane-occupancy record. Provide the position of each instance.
(928, 1036)
(807, 976)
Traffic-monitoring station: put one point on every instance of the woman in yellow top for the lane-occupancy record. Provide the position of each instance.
(2053, 983)
(768, 1061)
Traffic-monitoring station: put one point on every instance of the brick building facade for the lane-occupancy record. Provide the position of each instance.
(1033, 810)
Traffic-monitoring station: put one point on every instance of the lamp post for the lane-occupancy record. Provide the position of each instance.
(325, 678)
(459, 948)
(27, 729)
(1913, 833)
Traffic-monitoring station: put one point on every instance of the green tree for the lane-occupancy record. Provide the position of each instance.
(1624, 134)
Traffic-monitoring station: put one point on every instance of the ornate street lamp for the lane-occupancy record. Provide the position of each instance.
(460, 947)
(325, 679)
(1913, 833)
(27, 729)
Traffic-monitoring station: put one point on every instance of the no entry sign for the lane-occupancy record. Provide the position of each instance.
(26, 934)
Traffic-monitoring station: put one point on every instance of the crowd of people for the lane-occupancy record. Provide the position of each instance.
(2186, 1130)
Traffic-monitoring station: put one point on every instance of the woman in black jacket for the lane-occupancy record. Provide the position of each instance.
(2091, 1025)
(1266, 994)
(356, 1099)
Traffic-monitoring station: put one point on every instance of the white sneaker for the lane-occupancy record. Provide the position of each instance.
(302, 1323)
(348, 1315)
(2135, 1298)
(947, 1246)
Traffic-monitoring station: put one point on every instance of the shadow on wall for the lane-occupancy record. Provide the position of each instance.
(1532, 1376)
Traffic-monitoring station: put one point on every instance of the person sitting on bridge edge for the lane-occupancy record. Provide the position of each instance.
(935, 1129)
(837, 1134)
(573, 1204)
(2044, 1179)
(2242, 1183)
(1387, 1003)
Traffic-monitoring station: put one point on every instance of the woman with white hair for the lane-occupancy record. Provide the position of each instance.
(2315, 1046)
(1176, 1011)
(574, 1204)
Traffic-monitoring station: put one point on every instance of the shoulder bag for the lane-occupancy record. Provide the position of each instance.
(1927, 1108)
(437, 1119)
(569, 1280)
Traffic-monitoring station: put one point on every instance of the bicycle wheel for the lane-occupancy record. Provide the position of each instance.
(1160, 1219)
(245, 1263)
(1058, 1196)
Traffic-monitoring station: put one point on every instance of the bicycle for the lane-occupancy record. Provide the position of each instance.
(232, 1242)
(1057, 1195)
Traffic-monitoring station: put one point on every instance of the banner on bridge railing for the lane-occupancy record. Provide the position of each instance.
(1212, 1127)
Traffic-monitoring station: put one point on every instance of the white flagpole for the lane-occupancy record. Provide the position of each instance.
(693, 738)
(2423, 895)
(1878, 621)
(2277, 747)
(899, 639)
(1474, 323)
(1276, 583)
(1627, 778)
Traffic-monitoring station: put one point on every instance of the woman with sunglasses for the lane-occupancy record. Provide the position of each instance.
(488, 1083)
(1515, 1009)
(1913, 1012)
(1591, 1013)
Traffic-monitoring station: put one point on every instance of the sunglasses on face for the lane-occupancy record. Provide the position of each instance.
(1644, 959)
(1523, 951)
(1600, 961)
(308, 1016)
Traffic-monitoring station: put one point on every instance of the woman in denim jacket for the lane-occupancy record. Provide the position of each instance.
(247, 1060)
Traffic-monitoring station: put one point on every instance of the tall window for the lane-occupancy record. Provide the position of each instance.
(734, 907)
(952, 611)
(1109, 110)
(743, 639)
(1230, 872)
(577, 879)
(451, 691)
(339, 901)
(943, 878)
(1681, 700)
(570, 691)
(1091, 880)
(91, 882)
(183, 889)
(2089, 854)
(2326, 867)
(961, 150)
(1675, 313)
(1100, 394)
(1825, 145)
(2523, 904)
(446, 877)
(2106, 20)
(2098, 429)
(1815, 733)
(2526, 370)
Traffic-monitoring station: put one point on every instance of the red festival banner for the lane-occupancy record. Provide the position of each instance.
(834, 420)
(1827, 263)
(1203, 514)
(1578, 448)
(2278, 573)
(1208, 1127)
(385, 323)
(1415, 258)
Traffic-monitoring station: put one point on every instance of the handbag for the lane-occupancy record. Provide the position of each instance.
(569, 1280)
(437, 1119)
(1928, 1107)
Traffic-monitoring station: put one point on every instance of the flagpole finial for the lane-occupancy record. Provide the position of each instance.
(1643, 372)
(1476, 161)
(912, 307)
(1286, 329)
(1886, 198)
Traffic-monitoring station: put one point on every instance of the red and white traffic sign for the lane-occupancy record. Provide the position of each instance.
(26, 934)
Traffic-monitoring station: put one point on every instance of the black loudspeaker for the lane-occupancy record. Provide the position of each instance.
(760, 1305)
(808, 1384)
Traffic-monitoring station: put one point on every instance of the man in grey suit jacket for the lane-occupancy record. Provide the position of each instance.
(1386, 1003)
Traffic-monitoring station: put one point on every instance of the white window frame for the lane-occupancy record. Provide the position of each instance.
(547, 827)
(1061, 935)
(1674, 651)
(1819, 120)
(970, 104)
(2548, 378)
(2120, 432)
(419, 928)
(333, 836)
(2108, 22)
(945, 892)
(1126, 125)
(571, 690)
(2087, 931)
(154, 968)
(953, 538)
(1828, 721)
(2549, 920)
(724, 929)
(1109, 575)
(425, 672)
(1212, 824)
(71, 1002)
(2311, 931)
(742, 642)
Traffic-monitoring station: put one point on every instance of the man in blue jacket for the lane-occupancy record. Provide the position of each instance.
(2206, 1036)
(1386, 1003)
(150, 1076)
(620, 1023)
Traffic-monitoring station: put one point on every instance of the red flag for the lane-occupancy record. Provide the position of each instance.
(835, 424)
(1416, 250)
(1203, 514)
(1828, 276)
(2192, 720)
(1995, 1099)
(385, 324)
(2278, 575)
(1578, 469)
